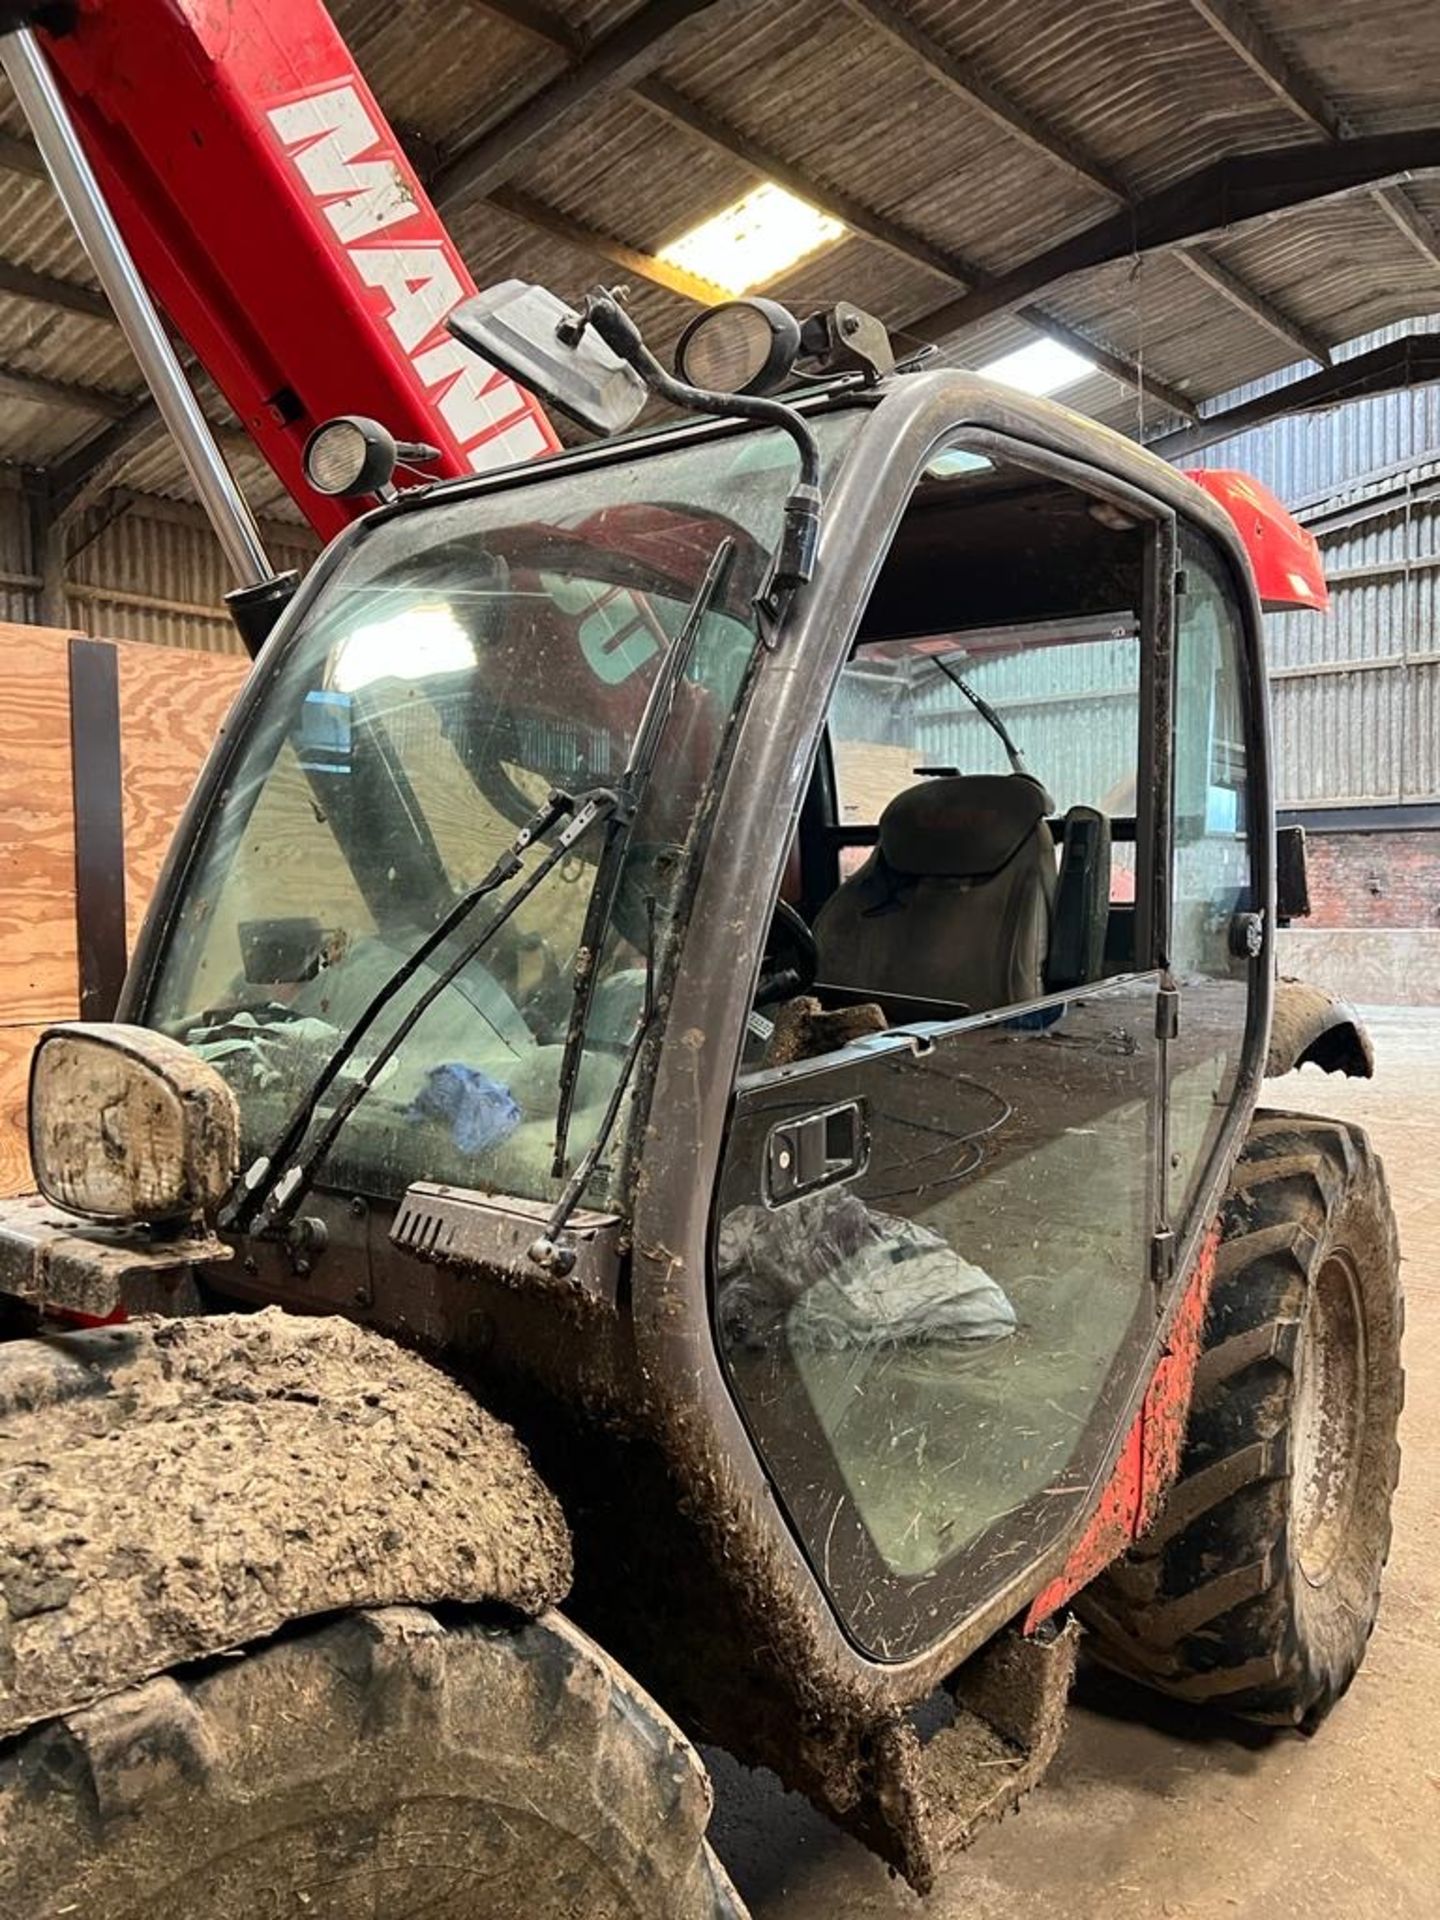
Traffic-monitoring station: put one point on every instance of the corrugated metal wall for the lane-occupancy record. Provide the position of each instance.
(1072, 711)
(154, 571)
(138, 568)
(1356, 692)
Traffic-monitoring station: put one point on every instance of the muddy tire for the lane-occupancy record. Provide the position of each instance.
(381, 1763)
(1257, 1590)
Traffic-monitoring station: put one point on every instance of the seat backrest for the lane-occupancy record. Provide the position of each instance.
(954, 903)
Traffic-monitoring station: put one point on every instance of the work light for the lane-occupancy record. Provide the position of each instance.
(128, 1125)
(741, 346)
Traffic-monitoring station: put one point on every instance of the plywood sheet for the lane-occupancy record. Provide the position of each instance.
(38, 970)
(172, 705)
(16, 1046)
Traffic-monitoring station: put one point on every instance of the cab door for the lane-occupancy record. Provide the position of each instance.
(934, 1238)
(1219, 943)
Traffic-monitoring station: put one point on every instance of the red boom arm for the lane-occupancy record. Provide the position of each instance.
(274, 217)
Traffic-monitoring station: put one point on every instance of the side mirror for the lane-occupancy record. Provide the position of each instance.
(128, 1126)
(547, 347)
(1292, 879)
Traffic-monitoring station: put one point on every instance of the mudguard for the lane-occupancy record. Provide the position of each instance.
(1309, 1024)
(176, 1488)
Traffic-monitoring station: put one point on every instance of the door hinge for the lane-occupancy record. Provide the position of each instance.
(1162, 1257)
(1167, 1013)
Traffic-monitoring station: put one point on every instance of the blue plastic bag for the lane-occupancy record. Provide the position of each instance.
(480, 1110)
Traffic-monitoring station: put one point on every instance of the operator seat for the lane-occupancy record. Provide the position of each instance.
(955, 902)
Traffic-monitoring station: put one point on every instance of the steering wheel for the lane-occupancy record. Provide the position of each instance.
(526, 966)
(791, 960)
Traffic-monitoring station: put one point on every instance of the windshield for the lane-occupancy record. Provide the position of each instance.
(460, 663)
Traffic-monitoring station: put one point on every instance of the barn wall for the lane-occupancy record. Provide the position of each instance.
(1356, 692)
(138, 567)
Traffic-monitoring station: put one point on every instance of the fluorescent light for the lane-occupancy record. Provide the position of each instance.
(753, 241)
(414, 644)
(1045, 366)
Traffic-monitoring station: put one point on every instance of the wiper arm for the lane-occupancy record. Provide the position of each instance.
(553, 1250)
(987, 713)
(632, 785)
(279, 1173)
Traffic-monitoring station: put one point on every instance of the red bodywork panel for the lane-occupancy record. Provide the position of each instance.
(1284, 556)
(274, 217)
(1150, 1457)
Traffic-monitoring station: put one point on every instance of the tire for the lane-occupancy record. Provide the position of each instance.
(1257, 1590)
(381, 1764)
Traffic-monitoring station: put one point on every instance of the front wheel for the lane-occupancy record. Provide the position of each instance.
(1258, 1587)
(383, 1764)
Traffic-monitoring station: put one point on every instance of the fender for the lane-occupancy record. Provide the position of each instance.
(176, 1488)
(1310, 1024)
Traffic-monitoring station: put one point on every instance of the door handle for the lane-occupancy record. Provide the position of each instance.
(815, 1150)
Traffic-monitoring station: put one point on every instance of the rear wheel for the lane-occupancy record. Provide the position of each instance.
(1257, 1590)
(380, 1764)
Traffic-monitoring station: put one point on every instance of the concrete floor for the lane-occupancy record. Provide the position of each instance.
(1155, 1810)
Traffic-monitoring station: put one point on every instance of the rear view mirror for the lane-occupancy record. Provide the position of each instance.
(533, 336)
(1292, 880)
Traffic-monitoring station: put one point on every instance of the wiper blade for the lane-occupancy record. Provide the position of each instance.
(632, 785)
(271, 1187)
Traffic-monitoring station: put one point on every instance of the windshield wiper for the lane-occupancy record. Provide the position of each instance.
(631, 786)
(987, 713)
(551, 1249)
(275, 1182)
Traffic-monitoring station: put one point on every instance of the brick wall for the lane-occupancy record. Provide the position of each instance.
(1374, 879)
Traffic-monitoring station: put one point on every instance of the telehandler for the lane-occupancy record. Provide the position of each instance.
(683, 1129)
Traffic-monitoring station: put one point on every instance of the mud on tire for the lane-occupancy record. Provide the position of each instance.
(381, 1763)
(1257, 1590)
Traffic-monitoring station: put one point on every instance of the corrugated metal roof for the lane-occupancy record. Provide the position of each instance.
(1144, 92)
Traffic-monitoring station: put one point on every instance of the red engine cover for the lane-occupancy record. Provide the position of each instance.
(1284, 556)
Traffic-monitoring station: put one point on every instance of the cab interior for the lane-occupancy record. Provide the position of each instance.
(937, 873)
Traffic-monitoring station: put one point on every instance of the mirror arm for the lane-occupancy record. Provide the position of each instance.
(794, 561)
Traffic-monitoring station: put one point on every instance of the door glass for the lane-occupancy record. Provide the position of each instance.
(931, 1262)
(930, 1252)
(1212, 877)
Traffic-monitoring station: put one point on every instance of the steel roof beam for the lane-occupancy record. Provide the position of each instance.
(574, 233)
(1295, 90)
(1409, 362)
(100, 459)
(1249, 300)
(1268, 62)
(37, 390)
(46, 291)
(539, 22)
(1230, 193)
(964, 80)
(607, 67)
(861, 219)
(1397, 206)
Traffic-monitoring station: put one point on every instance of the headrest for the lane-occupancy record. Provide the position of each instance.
(965, 826)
